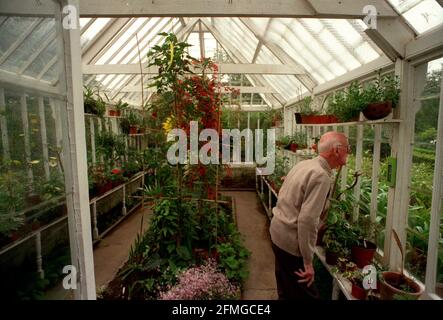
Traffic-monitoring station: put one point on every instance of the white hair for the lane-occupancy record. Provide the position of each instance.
(330, 140)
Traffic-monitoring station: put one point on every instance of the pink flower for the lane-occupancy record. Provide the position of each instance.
(203, 282)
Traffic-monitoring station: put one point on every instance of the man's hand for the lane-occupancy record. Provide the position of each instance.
(307, 275)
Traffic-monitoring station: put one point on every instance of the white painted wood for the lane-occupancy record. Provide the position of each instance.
(344, 170)
(12, 80)
(87, 25)
(95, 233)
(92, 129)
(358, 165)
(304, 77)
(375, 172)
(350, 7)
(76, 168)
(257, 51)
(4, 125)
(243, 89)
(25, 123)
(436, 207)
(427, 42)
(368, 70)
(242, 68)
(238, 57)
(391, 36)
(402, 144)
(117, 36)
(41, 110)
(124, 211)
(99, 42)
(207, 8)
(39, 260)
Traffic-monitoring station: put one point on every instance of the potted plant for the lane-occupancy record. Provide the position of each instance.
(307, 115)
(381, 97)
(133, 121)
(397, 283)
(299, 140)
(92, 105)
(333, 248)
(364, 247)
(284, 142)
(346, 106)
(116, 111)
(356, 278)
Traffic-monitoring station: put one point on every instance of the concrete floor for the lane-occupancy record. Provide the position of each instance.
(253, 224)
(111, 253)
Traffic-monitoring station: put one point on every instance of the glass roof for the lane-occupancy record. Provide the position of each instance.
(317, 50)
(422, 15)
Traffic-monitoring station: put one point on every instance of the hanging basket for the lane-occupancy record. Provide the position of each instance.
(376, 111)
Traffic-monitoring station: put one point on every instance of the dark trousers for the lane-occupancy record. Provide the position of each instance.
(287, 281)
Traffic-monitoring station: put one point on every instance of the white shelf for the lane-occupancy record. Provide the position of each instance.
(343, 284)
(363, 122)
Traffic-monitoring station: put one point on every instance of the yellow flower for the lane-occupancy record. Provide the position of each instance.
(167, 125)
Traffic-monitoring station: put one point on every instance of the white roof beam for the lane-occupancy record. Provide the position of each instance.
(430, 41)
(241, 68)
(102, 39)
(202, 40)
(352, 9)
(249, 107)
(340, 39)
(181, 33)
(257, 51)
(243, 89)
(308, 81)
(363, 72)
(87, 25)
(125, 43)
(12, 80)
(391, 36)
(236, 54)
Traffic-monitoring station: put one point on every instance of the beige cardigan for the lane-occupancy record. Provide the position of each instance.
(301, 202)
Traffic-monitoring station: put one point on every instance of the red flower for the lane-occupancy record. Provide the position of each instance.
(116, 171)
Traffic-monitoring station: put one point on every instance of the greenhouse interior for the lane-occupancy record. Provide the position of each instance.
(154, 138)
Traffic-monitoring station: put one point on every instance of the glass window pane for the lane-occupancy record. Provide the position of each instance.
(426, 124)
(422, 15)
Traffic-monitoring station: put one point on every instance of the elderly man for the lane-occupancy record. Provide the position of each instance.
(301, 201)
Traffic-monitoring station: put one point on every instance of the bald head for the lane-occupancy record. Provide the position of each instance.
(329, 140)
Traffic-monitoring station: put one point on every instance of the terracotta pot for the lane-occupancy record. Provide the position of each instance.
(375, 111)
(331, 257)
(363, 256)
(112, 113)
(293, 147)
(388, 286)
(132, 130)
(358, 292)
